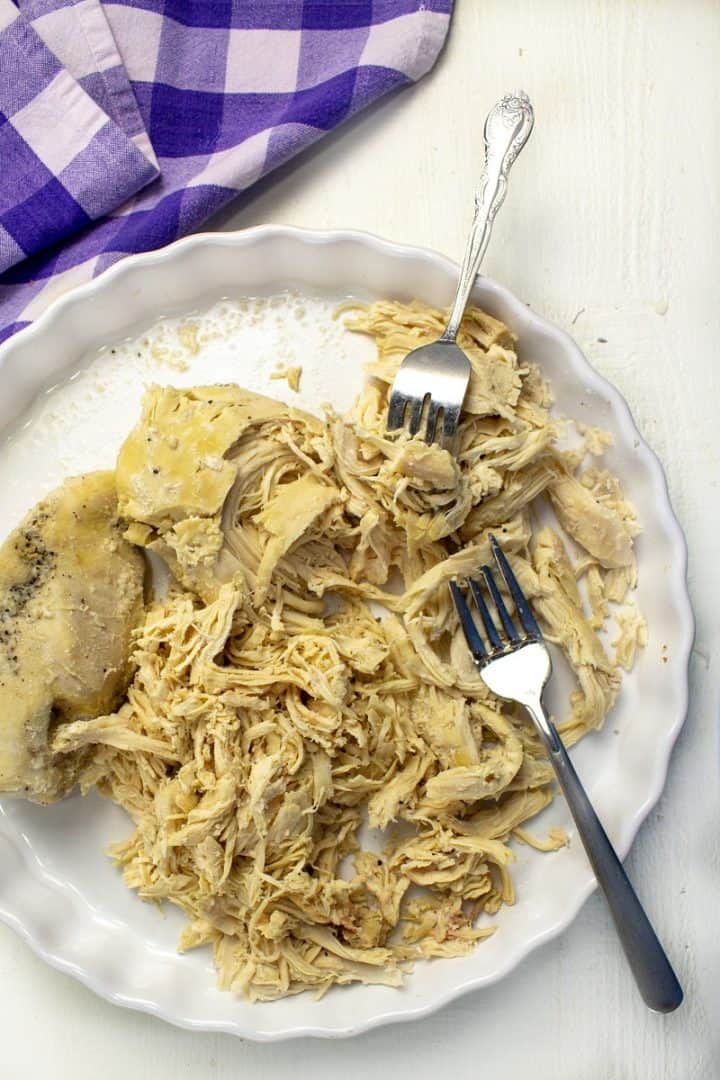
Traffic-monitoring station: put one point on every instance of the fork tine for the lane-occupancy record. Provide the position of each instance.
(470, 630)
(451, 416)
(396, 410)
(432, 419)
(502, 610)
(416, 408)
(524, 610)
(490, 628)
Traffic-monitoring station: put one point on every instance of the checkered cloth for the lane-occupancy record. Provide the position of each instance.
(127, 123)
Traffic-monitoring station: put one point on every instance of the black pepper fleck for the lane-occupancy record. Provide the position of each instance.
(38, 561)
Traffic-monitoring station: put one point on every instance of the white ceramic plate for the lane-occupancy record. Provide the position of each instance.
(61, 893)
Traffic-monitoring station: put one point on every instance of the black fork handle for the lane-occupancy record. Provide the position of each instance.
(651, 968)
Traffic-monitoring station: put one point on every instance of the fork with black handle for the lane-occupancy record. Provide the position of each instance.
(514, 663)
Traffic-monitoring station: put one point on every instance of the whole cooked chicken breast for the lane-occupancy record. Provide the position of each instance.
(71, 592)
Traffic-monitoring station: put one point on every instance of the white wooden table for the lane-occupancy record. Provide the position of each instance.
(611, 231)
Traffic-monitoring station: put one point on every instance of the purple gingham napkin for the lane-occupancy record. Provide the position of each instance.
(127, 123)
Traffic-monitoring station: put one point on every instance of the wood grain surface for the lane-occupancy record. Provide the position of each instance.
(611, 230)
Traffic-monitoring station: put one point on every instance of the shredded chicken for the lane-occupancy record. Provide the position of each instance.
(306, 674)
(292, 374)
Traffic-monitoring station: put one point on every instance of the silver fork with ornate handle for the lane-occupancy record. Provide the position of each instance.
(440, 371)
(514, 663)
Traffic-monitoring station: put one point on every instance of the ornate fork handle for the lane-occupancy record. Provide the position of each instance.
(507, 129)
